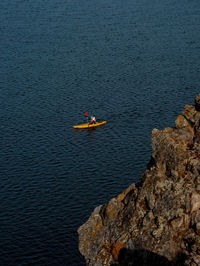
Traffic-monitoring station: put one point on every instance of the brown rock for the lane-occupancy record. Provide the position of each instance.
(197, 102)
(161, 214)
(117, 247)
(189, 112)
(195, 201)
(181, 122)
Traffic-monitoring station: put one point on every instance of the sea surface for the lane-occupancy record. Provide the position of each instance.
(134, 63)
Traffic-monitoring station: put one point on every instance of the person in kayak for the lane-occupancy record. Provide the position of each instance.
(93, 120)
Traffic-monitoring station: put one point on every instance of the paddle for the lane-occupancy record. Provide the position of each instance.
(86, 114)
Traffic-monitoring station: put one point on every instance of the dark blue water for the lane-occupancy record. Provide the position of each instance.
(133, 63)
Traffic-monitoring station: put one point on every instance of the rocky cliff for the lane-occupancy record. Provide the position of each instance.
(157, 221)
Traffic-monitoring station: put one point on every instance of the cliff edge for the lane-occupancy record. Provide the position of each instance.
(156, 221)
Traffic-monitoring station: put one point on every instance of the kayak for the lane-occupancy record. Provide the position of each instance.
(82, 126)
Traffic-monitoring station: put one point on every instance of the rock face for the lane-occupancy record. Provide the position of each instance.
(156, 221)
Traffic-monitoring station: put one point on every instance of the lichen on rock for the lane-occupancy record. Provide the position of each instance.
(156, 221)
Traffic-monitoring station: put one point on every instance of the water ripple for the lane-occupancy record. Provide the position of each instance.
(134, 65)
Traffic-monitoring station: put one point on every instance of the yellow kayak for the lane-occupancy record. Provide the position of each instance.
(90, 125)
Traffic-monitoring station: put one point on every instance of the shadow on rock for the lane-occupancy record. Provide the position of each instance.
(145, 258)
